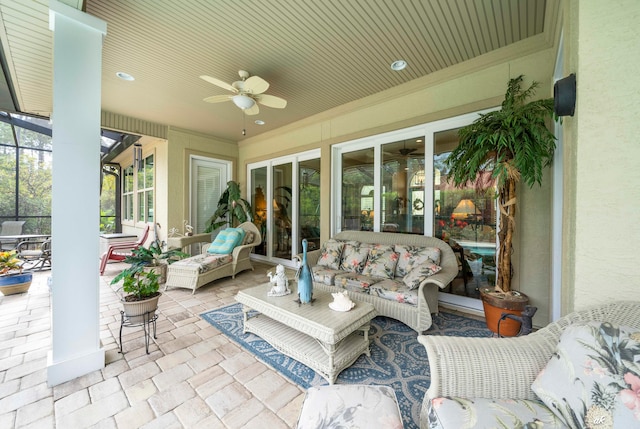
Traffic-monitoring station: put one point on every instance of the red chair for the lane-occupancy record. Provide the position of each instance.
(119, 251)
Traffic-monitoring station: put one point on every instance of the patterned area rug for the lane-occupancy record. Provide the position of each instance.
(397, 358)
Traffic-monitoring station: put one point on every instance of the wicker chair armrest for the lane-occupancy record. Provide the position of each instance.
(242, 250)
(443, 277)
(499, 368)
(312, 257)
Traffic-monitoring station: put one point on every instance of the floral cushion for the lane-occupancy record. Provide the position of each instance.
(394, 290)
(412, 256)
(331, 254)
(350, 406)
(226, 240)
(248, 237)
(593, 378)
(324, 275)
(355, 282)
(417, 275)
(381, 262)
(203, 263)
(354, 256)
(456, 413)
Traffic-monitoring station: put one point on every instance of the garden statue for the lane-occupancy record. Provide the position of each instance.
(280, 282)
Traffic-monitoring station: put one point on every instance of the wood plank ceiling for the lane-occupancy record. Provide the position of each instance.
(317, 54)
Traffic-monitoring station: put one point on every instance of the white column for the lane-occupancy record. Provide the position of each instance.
(77, 70)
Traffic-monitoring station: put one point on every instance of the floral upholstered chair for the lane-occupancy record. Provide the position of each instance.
(582, 371)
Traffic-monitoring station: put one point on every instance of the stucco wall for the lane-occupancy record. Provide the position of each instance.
(603, 188)
(471, 86)
(183, 144)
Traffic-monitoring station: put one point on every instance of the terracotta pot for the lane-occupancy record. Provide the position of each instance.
(15, 283)
(136, 310)
(495, 304)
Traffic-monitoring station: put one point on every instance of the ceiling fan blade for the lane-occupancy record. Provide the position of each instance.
(252, 110)
(218, 98)
(256, 85)
(272, 101)
(218, 82)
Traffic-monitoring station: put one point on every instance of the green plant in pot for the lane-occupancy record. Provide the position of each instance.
(232, 209)
(12, 279)
(142, 290)
(516, 145)
(152, 258)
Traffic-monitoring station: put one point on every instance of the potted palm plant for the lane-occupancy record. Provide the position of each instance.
(515, 144)
(12, 279)
(232, 209)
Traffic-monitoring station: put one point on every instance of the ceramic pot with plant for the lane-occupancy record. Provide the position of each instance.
(12, 279)
(142, 292)
(515, 144)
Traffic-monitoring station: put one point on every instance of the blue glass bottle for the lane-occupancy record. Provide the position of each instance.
(305, 279)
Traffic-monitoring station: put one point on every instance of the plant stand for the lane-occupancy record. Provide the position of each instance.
(145, 320)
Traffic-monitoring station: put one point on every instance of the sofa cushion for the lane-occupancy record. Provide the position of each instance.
(455, 413)
(331, 254)
(248, 237)
(354, 256)
(594, 377)
(355, 282)
(418, 274)
(394, 290)
(324, 275)
(203, 262)
(412, 256)
(381, 261)
(226, 240)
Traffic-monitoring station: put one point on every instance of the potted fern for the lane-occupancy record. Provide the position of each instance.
(515, 144)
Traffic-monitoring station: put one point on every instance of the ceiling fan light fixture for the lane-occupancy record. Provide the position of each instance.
(398, 65)
(242, 101)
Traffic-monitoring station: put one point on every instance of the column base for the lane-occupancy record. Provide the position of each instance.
(63, 371)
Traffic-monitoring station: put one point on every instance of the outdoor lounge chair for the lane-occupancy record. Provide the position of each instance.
(119, 251)
(10, 227)
(40, 256)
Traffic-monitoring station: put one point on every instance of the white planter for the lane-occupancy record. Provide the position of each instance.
(141, 311)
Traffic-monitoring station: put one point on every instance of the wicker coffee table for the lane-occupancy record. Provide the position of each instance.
(327, 341)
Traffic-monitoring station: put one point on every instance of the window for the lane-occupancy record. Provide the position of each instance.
(397, 182)
(138, 192)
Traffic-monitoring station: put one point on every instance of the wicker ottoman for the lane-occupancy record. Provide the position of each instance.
(350, 405)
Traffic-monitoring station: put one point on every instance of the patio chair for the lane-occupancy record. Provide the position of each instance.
(10, 227)
(119, 251)
(40, 256)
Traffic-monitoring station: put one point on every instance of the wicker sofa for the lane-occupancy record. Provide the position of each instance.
(417, 314)
(198, 270)
(542, 379)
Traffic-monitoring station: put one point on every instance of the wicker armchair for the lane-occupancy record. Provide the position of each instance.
(505, 368)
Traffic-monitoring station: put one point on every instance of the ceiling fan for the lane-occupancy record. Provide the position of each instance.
(247, 93)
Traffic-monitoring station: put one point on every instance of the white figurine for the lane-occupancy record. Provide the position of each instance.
(341, 302)
(280, 282)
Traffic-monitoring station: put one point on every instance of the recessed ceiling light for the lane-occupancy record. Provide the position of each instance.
(419, 141)
(398, 65)
(125, 76)
(259, 122)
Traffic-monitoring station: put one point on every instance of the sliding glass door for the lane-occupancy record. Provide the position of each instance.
(285, 197)
(397, 182)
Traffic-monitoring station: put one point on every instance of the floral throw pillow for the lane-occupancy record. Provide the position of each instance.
(412, 256)
(331, 254)
(420, 273)
(593, 378)
(381, 262)
(354, 256)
